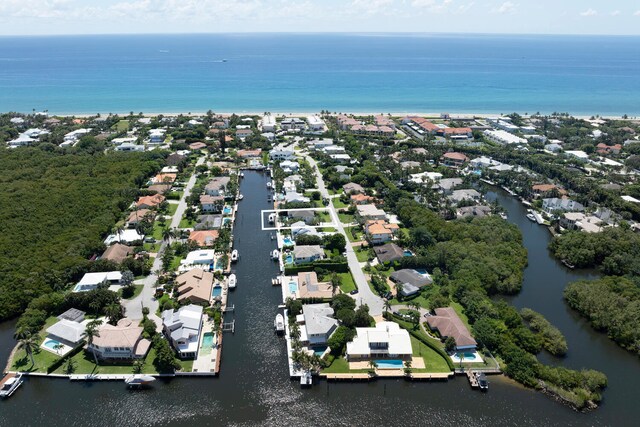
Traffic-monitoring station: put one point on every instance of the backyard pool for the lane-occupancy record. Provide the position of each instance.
(422, 272)
(225, 221)
(207, 343)
(220, 264)
(293, 287)
(407, 253)
(217, 291)
(287, 241)
(227, 210)
(389, 364)
(52, 344)
(466, 357)
(288, 259)
(319, 351)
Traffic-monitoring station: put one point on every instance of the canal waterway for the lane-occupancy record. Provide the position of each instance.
(254, 389)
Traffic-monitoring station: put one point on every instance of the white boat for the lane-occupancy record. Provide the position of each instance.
(241, 174)
(272, 218)
(269, 184)
(9, 384)
(232, 281)
(483, 383)
(306, 380)
(139, 380)
(278, 324)
(531, 217)
(275, 254)
(240, 197)
(234, 255)
(503, 215)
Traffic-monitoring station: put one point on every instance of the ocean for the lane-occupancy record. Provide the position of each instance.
(581, 75)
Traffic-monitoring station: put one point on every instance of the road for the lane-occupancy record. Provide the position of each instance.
(133, 307)
(365, 294)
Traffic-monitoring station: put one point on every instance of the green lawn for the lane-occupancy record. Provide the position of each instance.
(157, 230)
(186, 223)
(42, 360)
(327, 229)
(322, 216)
(151, 247)
(171, 208)
(340, 365)
(363, 255)
(175, 263)
(346, 218)
(354, 230)
(338, 204)
(137, 291)
(347, 283)
(433, 361)
(122, 126)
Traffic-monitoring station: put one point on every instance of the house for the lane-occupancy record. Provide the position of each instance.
(477, 211)
(503, 137)
(182, 327)
(483, 162)
(448, 324)
(175, 159)
(353, 188)
(164, 178)
(334, 149)
(203, 257)
(138, 215)
(156, 136)
(217, 186)
(117, 252)
(316, 124)
(211, 203)
(309, 287)
(546, 190)
(370, 212)
(578, 154)
(300, 228)
(304, 215)
(279, 155)
(422, 177)
(606, 149)
(91, 281)
(361, 199)
(380, 231)
(129, 237)
(580, 221)
(389, 252)
(409, 164)
(197, 146)
(268, 123)
(69, 333)
(454, 159)
(195, 286)
(149, 202)
(209, 222)
(128, 146)
(250, 154)
(316, 323)
(458, 196)
(289, 166)
(72, 314)
(203, 237)
(386, 339)
(293, 123)
(243, 133)
(159, 188)
(307, 253)
(411, 277)
(446, 185)
(340, 158)
(554, 204)
(123, 341)
(295, 197)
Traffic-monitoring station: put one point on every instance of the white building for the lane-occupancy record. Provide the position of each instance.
(91, 281)
(387, 339)
(316, 323)
(421, 178)
(183, 327)
(268, 123)
(278, 155)
(293, 123)
(503, 137)
(203, 257)
(316, 124)
(157, 136)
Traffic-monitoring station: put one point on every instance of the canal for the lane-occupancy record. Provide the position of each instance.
(254, 388)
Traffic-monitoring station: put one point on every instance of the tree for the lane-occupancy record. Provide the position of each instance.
(342, 301)
(362, 317)
(138, 366)
(70, 366)
(372, 367)
(165, 360)
(114, 312)
(387, 305)
(450, 344)
(339, 339)
(28, 342)
(407, 367)
(335, 282)
(92, 331)
(335, 241)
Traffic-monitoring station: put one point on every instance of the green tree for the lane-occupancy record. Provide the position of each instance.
(28, 342)
(91, 331)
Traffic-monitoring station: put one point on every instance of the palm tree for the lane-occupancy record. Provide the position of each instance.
(113, 312)
(372, 366)
(70, 366)
(29, 342)
(90, 333)
(138, 366)
(335, 282)
(387, 305)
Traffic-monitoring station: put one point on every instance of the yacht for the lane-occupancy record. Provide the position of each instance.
(240, 196)
(232, 281)
(278, 324)
(530, 215)
(241, 174)
(9, 384)
(272, 218)
(306, 380)
(275, 255)
(139, 380)
(269, 184)
(483, 383)
(235, 255)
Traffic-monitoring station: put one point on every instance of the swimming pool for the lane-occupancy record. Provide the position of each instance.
(319, 351)
(207, 343)
(389, 363)
(422, 272)
(288, 259)
(227, 210)
(51, 344)
(293, 287)
(219, 264)
(217, 291)
(287, 241)
(407, 253)
(225, 221)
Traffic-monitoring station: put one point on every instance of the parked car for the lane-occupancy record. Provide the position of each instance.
(353, 292)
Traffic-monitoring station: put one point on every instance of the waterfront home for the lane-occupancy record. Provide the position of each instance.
(448, 324)
(370, 212)
(117, 253)
(385, 340)
(477, 211)
(295, 197)
(208, 222)
(203, 237)
(73, 315)
(411, 277)
(389, 252)
(279, 155)
(197, 146)
(542, 190)
(483, 162)
(423, 177)
(129, 237)
(316, 124)
(352, 188)
(182, 327)
(300, 228)
(217, 186)
(307, 253)
(91, 281)
(195, 286)
(63, 336)
(361, 199)
(123, 341)
(309, 287)
(149, 202)
(250, 154)
(268, 123)
(211, 203)
(456, 133)
(305, 215)
(340, 158)
(291, 183)
(458, 196)
(447, 185)
(552, 205)
(580, 221)
(380, 231)
(317, 324)
(201, 258)
(293, 123)
(289, 166)
(454, 159)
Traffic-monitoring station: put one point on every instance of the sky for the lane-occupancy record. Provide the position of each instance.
(44, 17)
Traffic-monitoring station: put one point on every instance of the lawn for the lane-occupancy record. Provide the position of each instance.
(347, 283)
(327, 230)
(175, 263)
(122, 126)
(157, 230)
(187, 223)
(346, 218)
(333, 192)
(151, 247)
(433, 361)
(42, 360)
(137, 291)
(354, 230)
(323, 216)
(340, 365)
(339, 204)
(363, 254)
(171, 208)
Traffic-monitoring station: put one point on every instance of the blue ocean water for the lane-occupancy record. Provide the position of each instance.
(311, 72)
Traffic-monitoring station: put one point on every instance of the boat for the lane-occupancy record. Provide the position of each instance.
(10, 384)
(483, 383)
(278, 324)
(275, 255)
(232, 281)
(306, 380)
(531, 217)
(269, 184)
(235, 255)
(272, 218)
(241, 174)
(503, 215)
(139, 380)
(240, 197)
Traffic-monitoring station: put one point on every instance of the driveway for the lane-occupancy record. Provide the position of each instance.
(365, 294)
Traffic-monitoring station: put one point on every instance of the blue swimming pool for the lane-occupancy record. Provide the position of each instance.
(219, 264)
(422, 271)
(319, 350)
(288, 242)
(293, 287)
(288, 259)
(217, 291)
(407, 253)
(207, 343)
(227, 210)
(389, 364)
(51, 344)
(466, 355)
(225, 221)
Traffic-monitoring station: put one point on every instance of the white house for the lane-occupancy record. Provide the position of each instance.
(552, 205)
(289, 166)
(202, 257)
(316, 124)
(278, 155)
(268, 123)
(182, 327)
(386, 339)
(307, 253)
(156, 136)
(316, 323)
(91, 281)
(503, 137)
(293, 123)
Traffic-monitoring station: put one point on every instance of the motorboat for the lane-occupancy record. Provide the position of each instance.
(269, 184)
(275, 254)
(531, 216)
(235, 255)
(232, 281)
(139, 380)
(241, 174)
(503, 215)
(9, 384)
(278, 324)
(272, 218)
(306, 380)
(483, 383)
(240, 197)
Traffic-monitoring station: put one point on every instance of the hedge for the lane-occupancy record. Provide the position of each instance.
(433, 346)
(56, 364)
(338, 267)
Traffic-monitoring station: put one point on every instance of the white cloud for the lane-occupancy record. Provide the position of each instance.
(615, 13)
(637, 13)
(506, 7)
(589, 12)
(431, 5)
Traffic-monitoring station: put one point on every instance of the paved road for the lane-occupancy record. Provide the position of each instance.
(147, 296)
(365, 294)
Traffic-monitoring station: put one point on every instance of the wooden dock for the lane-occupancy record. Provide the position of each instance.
(473, 380)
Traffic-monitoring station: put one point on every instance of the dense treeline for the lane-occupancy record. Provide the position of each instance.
(616, 250)
(55, 209)
(552, 339)
(612, 305)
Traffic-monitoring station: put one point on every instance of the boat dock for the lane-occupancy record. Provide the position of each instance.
(473, 380)
(277, 281)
